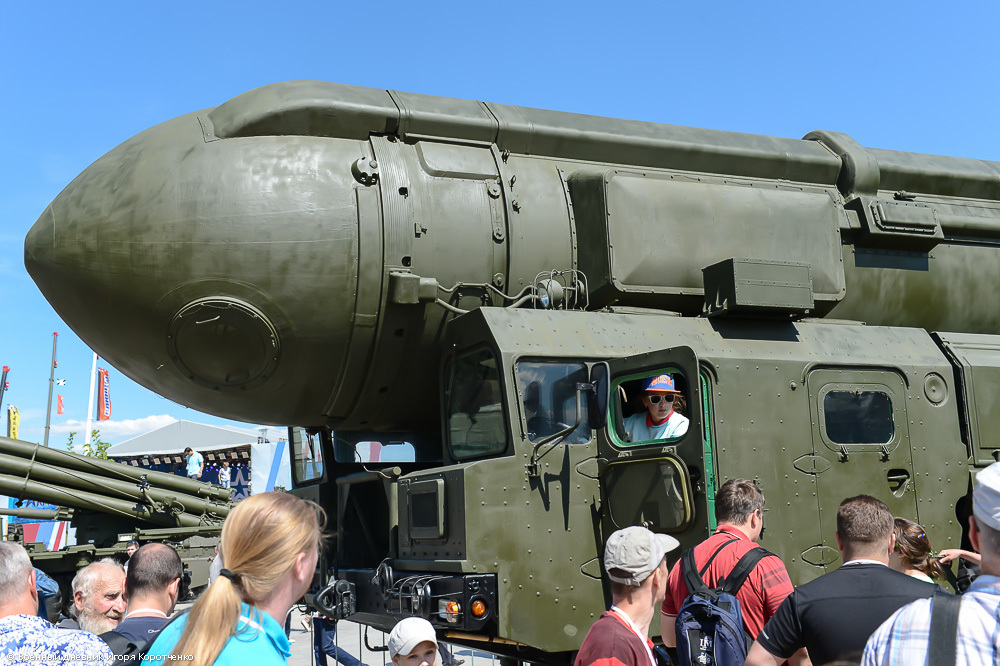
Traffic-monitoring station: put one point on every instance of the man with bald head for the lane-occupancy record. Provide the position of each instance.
(152, 586)
(97, 597)
(29, 639)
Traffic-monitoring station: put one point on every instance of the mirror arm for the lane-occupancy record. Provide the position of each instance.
(557, 438)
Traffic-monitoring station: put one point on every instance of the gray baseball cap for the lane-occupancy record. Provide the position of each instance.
(635, 552)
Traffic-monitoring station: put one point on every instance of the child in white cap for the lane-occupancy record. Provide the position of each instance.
(413, 642)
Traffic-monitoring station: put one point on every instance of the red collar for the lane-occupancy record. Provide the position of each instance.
(732, 531)
(618, 617)
(650, 423)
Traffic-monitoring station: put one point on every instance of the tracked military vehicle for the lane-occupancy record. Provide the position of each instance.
(486, 286)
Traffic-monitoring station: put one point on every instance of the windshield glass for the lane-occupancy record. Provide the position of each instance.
(475, 408)
(548, 395)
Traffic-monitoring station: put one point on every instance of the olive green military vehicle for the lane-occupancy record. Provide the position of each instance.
(108, 504)
(486, 287)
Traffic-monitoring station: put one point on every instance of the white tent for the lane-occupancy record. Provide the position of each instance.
(268, 459)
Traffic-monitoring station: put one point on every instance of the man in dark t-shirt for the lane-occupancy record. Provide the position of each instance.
(833, 616)
(152, 586)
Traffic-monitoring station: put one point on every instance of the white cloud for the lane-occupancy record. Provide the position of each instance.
(114, 430)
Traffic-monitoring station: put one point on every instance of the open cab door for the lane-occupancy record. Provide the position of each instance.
(651, 448)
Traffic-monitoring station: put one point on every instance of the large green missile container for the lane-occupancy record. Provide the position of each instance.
(278, 259)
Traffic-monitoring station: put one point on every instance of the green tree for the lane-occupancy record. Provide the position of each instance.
(96, 448)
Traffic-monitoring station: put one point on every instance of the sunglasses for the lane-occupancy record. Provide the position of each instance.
(656, 398)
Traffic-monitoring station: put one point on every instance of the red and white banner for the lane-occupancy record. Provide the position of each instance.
(104, 395)
(59, 405)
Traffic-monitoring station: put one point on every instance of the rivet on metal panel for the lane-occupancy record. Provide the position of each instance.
(498, 279)
(494, 191)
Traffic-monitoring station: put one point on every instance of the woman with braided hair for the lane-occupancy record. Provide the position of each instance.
(912, 553)
(270, 544)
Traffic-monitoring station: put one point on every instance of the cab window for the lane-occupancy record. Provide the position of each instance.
(549, 397)
(858, 417)
(476, 425)
(650, 407)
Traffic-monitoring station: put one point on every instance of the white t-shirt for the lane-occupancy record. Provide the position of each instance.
(640, 429)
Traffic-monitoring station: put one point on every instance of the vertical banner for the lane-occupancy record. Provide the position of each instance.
(104, 395)
(13, 421)
(59, 405)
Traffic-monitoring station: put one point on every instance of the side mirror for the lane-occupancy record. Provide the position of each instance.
(600, 375)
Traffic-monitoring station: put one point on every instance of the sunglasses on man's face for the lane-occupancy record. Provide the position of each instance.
(656, 398)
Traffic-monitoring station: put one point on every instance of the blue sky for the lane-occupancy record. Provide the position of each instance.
(80, 78)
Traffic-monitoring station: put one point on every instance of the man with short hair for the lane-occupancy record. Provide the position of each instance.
(905, 637)
(97, 597)
(739, 507)
(659, 420)
(195, 463)
(635, 560)
(26, 638)
(152, 586)
(833, 616)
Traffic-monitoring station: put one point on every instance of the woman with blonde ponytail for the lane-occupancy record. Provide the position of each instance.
(270, 544)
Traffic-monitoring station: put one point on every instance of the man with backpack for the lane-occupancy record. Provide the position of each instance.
(635, 561)
(834, 615)
(709, 622)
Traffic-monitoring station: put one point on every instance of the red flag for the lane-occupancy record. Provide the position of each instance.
(104, 395)
(59, 405)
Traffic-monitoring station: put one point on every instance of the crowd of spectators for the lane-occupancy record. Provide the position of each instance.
(884, 606)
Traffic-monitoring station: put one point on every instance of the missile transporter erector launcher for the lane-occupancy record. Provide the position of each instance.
(488, 286)
(108, 503)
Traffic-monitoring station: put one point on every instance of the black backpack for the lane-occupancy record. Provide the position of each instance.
(709, 624)
(124, 647)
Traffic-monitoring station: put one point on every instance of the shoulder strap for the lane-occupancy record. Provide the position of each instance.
(689, 568)
(734, 581)
(121, 645)
(943, 640)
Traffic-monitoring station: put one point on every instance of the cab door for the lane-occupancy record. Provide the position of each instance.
(650, 482)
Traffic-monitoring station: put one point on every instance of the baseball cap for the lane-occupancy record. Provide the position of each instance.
(636, 552)
(986, 496)
(408, 634)
(660, 384)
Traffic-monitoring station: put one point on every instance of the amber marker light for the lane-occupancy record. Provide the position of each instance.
(478, 608)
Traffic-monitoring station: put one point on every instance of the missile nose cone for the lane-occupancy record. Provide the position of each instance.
(38, 246)
(220, 274)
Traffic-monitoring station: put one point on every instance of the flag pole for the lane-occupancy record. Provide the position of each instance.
(52, 381)
(3, 384)
(90, 403)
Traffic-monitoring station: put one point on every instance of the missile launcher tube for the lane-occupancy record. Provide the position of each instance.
(108, 470)
(38, 514)
(81, 499)
(73, 480)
